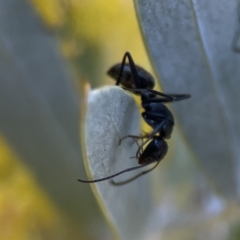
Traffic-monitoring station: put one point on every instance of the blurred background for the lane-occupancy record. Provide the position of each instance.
(49, 50)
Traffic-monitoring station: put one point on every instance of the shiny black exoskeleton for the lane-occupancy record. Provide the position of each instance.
(137, 80)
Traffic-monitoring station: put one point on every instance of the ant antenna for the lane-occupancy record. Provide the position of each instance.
(114, 175)
(132, 66)
(133, 178)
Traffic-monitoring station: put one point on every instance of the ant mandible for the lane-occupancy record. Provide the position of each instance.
(138, 81)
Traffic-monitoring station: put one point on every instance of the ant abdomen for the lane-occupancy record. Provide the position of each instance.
(155, 151)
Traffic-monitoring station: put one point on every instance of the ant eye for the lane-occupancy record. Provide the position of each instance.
(152, 147)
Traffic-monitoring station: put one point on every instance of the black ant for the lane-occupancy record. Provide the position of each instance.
(137, 80)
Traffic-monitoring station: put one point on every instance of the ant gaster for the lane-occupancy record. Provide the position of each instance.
(137, 80)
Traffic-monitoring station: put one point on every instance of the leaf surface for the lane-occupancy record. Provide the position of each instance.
(190, 44)
(111, 115)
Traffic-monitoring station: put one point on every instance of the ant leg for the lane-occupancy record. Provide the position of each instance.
(152, 115)
(133, 137)
(173, 97)
(133, 178)
(140, 147)
(165, 97)
(114, 175)
(142, 90)
(150, 137)
(133, 68)
(138, 154)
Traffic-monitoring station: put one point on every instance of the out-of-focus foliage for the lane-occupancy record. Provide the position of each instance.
(39, 110)
(25, 210)
(93, 35)
(52, 12)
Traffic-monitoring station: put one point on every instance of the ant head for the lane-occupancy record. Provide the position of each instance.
(146, 79)
(143, 79)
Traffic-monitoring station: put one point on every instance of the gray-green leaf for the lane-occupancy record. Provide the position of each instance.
(190, 43)
(111, 115)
